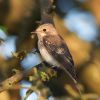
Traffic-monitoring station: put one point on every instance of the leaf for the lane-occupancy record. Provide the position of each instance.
(28, 93)
(20, 55)
(1, 41)
(3, 28)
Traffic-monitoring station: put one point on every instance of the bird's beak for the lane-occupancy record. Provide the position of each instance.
(33, 34)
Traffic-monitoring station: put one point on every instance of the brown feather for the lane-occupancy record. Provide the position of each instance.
(59, 50)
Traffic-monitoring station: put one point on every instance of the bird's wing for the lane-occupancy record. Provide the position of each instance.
(59, 50)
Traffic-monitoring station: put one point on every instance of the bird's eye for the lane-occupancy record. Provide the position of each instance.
(44, 30)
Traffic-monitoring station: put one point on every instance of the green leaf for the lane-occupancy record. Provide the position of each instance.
(3, 28)
(28, 93)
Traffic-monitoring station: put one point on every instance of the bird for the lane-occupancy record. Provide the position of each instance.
(54, 49)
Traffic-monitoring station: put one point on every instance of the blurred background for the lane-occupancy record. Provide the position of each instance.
(78, 22)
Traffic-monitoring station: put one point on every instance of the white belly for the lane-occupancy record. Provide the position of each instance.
(47, 57)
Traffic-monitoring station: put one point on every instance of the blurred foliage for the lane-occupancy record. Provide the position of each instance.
(19, 17)
(3, 28)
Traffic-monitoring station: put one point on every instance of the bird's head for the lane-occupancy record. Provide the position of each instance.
(44, 30)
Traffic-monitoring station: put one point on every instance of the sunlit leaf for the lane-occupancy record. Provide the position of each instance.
(28, 93)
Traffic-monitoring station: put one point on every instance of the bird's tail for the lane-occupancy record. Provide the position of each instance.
(74, 82)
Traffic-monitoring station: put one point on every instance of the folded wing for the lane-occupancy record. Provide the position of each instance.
(59, 50)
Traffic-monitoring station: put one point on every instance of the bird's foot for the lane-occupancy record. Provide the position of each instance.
(52, 73)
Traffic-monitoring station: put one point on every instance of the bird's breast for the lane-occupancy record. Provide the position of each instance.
(46, 55)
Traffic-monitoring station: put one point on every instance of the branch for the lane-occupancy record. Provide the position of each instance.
(46, 7)
(20, 75)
